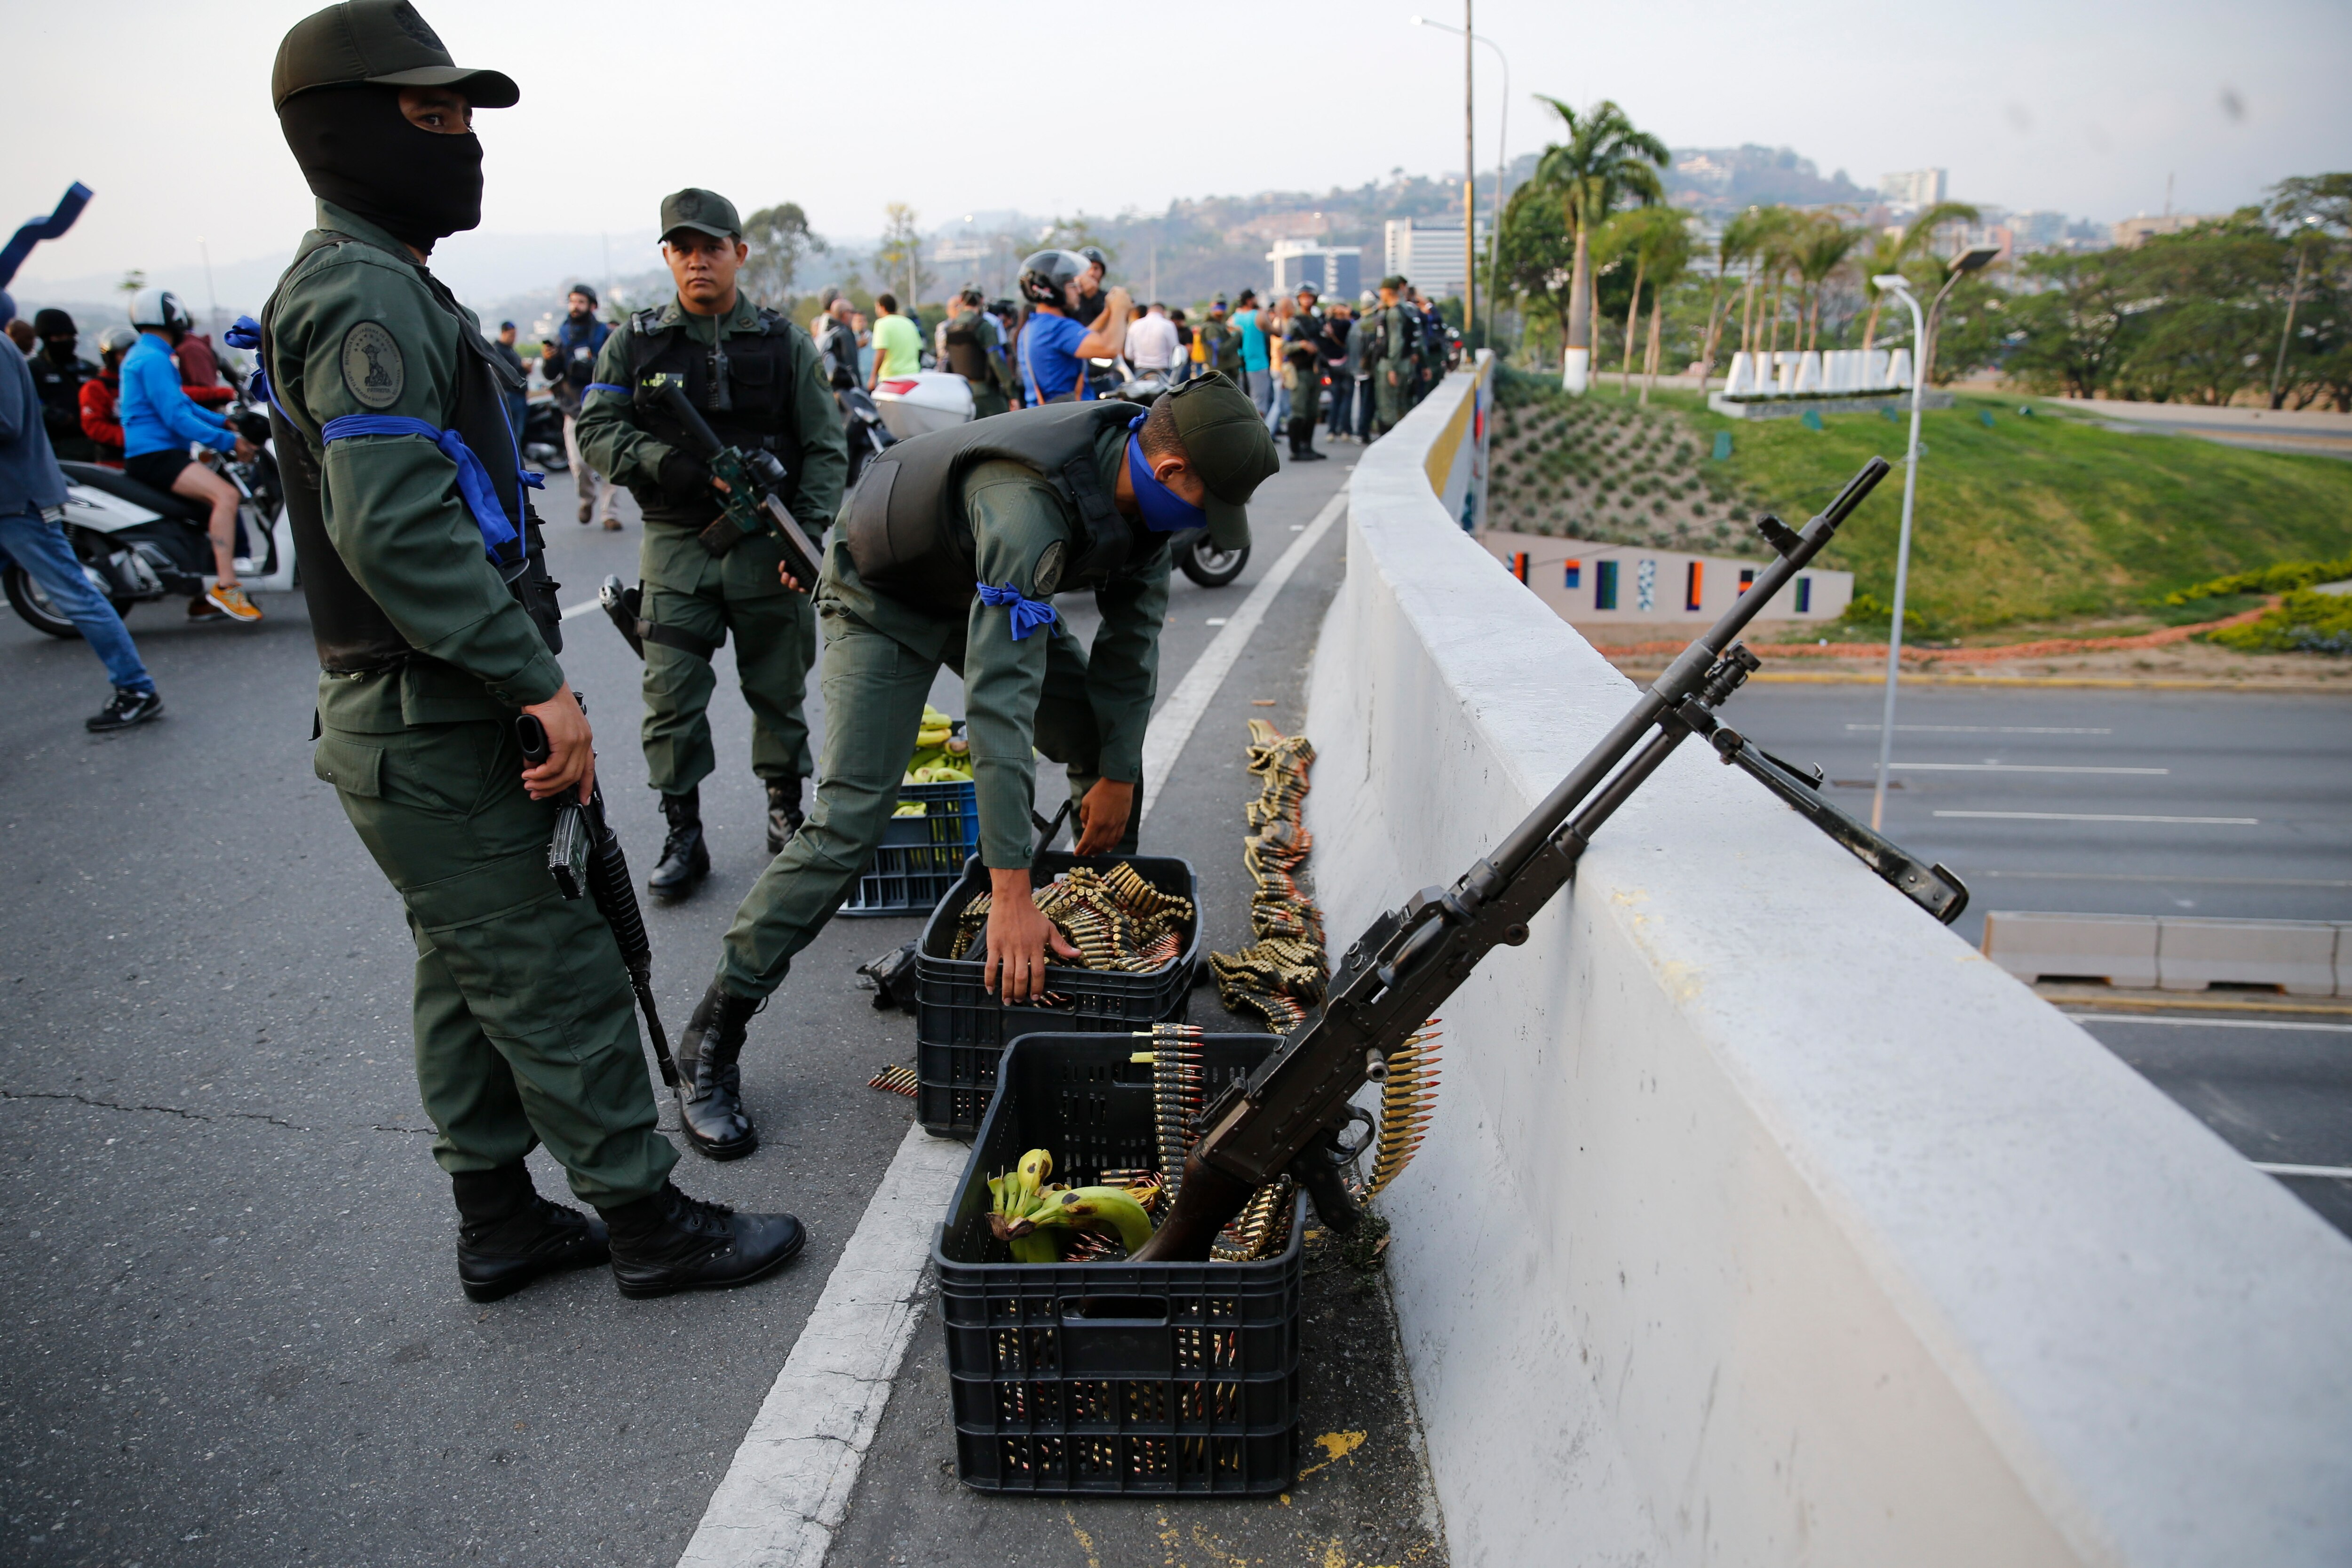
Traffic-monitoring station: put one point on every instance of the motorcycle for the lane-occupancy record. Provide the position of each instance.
(137, 545)
(869, 433)
(926, 401)
(542, 437)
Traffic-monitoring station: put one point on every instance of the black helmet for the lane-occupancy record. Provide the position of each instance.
(1045, 278)
(1095, 258)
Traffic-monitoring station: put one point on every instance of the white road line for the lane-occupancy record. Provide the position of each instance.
(1173, 725)
(1985, 729)
(2149, 877)
(2099, 817)
(2336, 1172)
(584, 607)
(788, 1489)
(2016, 768)
(2178, 1022)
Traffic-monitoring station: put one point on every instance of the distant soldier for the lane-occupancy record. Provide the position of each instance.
(975, 351)
(1392, 354)
(1302, 351)
(1220, 346)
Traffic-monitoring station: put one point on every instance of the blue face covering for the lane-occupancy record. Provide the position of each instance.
(1164, 511)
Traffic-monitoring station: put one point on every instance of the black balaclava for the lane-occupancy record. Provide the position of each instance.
(357, 150)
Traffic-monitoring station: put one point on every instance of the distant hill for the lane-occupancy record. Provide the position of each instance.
(1725, 179)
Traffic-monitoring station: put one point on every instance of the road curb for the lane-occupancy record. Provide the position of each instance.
(1857, 677)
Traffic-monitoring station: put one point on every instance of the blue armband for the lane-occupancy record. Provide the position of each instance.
(1028, 614)
(473, 479)
(604, 386)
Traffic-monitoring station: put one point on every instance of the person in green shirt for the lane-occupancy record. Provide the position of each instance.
(950, 553)
(898, 343)
(756, 378)
(436, 627)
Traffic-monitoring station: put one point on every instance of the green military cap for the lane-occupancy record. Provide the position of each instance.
(706, 212)
(380, 41)
(1225, 443)
(1393, 280)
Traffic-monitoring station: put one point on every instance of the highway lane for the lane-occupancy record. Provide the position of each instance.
(2095, 800)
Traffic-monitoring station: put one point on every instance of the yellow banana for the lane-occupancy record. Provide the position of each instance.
(1107, 1208)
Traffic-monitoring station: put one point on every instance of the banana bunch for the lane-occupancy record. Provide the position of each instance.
(1029, 1213)
(943, 754)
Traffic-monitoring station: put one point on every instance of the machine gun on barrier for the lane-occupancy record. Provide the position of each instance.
(1288, 1115)
(754, 479)
(585, 855)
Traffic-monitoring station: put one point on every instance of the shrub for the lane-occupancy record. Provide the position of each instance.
(2304, 622)
(2284, 578)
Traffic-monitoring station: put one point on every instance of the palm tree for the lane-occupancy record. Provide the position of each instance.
(1821, 249)
(1605, 159)
(1889, 250)
(1668, 254)
(1657, 238)
(1734, 244)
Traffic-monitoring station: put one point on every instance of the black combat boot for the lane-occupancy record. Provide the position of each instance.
(1302, 441)
(685, 857)
(508, 1236)
(670, 1242)
(783, 813)
(710, 1076)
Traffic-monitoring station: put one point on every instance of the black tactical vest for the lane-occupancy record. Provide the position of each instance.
(743, 383)
(910, 539)
(967, 354)
(353, 633)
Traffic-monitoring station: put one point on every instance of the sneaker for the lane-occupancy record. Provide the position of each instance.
(200, 609)
(230, 601)
(587, 509)
(124, 708)
(611, 525)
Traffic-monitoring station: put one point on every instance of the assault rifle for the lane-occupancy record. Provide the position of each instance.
(584, 857)
(1288, 1114)
(754, 479)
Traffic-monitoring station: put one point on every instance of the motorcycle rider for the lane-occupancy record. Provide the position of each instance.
(158, 421)
(1053, 345)
(100, 418)
(755, 376)
(955, 561)
(60, 373)
(570, 364)
(32, 504)
(436, 623)
(975, 351)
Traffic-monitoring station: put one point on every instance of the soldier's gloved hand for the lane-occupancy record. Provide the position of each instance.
(684, 477)
(1019, 939)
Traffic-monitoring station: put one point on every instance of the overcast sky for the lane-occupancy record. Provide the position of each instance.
(2081, 105)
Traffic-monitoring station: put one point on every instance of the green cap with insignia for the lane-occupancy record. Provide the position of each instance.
(705, 211)
(380, 41)
(1226, 443)
(1393, 280)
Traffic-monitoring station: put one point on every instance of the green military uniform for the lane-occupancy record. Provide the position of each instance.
(1222, 346)
(774, 396)
(525, 1027)
(975, 346)
(1394, 360)
(1026, 692)
(1303, 351)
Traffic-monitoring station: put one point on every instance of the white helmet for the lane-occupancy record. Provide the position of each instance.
(160, 308)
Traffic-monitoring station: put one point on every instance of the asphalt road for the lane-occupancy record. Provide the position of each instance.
(226, 1256)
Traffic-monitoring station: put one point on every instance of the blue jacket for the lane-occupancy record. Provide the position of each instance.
(30, 476)
(157, 415)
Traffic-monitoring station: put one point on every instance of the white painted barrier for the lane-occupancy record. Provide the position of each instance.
(1763, 1221)
(2296, 956)
(2118, 948)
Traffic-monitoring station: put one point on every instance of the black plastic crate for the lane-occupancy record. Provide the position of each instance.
(920, 858)
(961, 1026)
(1139, 1378)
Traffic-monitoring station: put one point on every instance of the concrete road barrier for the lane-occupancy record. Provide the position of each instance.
(2119, 949)
(2296, 956)
(1762, 1219)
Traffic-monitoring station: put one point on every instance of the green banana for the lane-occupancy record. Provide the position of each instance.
(1107, 1208)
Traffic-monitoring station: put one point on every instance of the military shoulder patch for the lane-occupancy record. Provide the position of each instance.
(1047, 576)
(373, 371)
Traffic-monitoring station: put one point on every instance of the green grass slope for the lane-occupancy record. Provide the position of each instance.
(2039, 518)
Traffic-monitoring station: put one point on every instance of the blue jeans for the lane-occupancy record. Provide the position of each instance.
(1261, 391)
(1343, 391)
(39, 546)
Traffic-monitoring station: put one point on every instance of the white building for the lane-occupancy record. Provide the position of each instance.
(1337, 270)
(1428, 258)
(1914, 187)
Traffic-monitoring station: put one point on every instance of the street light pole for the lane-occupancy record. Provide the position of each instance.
(1502, 159)
(1469, 178)
(1895, 283)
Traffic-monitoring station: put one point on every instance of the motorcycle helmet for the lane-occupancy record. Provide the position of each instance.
(1095, 258)
(115, 340)
(1046, 276)
(160, 308)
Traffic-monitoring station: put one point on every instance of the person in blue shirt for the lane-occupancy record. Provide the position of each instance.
(1257, 364)
(1054, 344)
(32, 500)
(159, 422)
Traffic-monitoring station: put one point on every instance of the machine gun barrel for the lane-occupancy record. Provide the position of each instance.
(1285, 1116)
